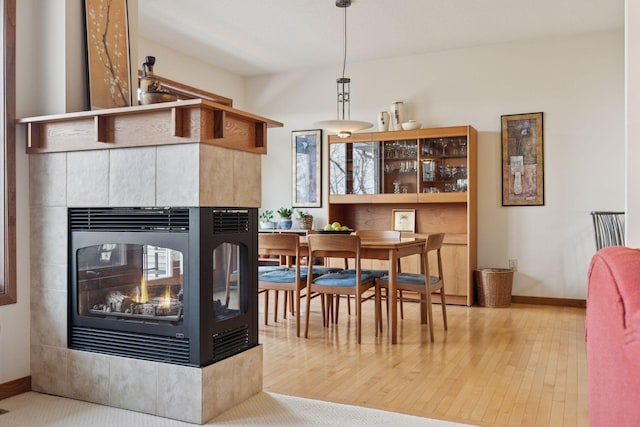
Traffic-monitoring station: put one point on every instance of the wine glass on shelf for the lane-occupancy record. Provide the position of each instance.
(462, 142)
(443, 142)
(396, 187)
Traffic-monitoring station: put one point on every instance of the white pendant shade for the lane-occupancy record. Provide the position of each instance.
(343, 126)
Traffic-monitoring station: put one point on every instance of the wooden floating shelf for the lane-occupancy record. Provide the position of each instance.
(180, 122)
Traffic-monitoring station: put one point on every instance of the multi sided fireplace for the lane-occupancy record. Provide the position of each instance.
(176, 285)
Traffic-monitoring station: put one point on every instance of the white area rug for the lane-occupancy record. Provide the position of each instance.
(264, 409)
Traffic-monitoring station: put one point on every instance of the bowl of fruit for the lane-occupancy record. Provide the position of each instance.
(335, 228)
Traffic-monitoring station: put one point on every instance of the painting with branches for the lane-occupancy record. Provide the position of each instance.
(108, 53)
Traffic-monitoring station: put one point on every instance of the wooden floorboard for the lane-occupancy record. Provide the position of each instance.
(519, 366)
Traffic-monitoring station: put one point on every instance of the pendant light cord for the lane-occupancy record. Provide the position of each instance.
(344, 56)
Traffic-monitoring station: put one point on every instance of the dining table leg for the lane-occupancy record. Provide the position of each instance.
(392, 315)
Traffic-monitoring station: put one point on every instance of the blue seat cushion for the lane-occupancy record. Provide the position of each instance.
(342, 278)
(412, 278)
(267, 268)
(321, 270)
(374, 273)
(281, 276)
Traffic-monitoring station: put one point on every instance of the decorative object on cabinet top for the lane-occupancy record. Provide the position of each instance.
(411, 125)
(151, 90)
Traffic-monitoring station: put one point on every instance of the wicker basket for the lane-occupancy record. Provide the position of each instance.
(306, 222)
(493, 286)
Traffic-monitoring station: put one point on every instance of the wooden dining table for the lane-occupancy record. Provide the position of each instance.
(392, 251)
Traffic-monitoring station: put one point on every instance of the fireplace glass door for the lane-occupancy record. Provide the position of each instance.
(134, 282)
(228, 298)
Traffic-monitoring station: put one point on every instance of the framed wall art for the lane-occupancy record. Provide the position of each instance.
(306, 153)
(108, 59)
(403, 220)
(522, 160)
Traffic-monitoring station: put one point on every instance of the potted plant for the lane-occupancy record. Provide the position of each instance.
(305, 220)
(285, 217)
(266, 219)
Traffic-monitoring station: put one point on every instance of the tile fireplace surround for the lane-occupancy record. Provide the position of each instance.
(200, 173)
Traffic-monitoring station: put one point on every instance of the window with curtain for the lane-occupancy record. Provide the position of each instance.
(8, 153)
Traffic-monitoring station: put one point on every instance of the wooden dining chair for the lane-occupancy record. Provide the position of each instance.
(383, 235)
(343, 283)
(287, 279)
(423, 284)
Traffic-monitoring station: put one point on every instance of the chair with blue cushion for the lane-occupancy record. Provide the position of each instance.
(284, 278)
(342, 283)
(382, 235)
(418, 283)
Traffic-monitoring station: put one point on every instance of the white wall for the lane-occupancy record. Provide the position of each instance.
(577, 82)
(632, 71)
(15, 318)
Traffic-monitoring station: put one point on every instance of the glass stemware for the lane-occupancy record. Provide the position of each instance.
(443, 142)
(462, 142)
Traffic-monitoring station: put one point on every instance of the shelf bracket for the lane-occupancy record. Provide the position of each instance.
(101, 130)
(176, 122)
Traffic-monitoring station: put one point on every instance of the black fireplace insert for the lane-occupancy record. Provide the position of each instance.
(176, 285)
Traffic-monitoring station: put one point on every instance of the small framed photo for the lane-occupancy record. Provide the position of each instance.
(306, 151)
(403, 220)
(522, 160)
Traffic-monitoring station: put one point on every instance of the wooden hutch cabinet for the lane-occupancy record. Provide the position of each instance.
(432, 171)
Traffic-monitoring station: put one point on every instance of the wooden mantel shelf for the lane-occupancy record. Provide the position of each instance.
(180, 122)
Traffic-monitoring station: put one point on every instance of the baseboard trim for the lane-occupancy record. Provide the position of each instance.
(15, 387)
(561, 302)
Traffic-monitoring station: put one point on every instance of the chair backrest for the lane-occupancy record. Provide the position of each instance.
(334, 245)
(378, 234)
(608, 228)
(282, 245)
(434, 243)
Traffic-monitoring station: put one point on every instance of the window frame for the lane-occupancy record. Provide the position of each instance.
(8, 160)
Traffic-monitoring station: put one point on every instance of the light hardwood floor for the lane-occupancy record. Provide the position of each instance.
(518, 366)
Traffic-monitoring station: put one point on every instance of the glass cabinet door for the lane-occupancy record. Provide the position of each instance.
(424, 165)
(443, 165)
(400, 166)
(354, 168)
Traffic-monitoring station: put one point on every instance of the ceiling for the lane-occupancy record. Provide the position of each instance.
(253, 37)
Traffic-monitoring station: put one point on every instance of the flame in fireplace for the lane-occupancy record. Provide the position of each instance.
(142, 292)
(166, 299)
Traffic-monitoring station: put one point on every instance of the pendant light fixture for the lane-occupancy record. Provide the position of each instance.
(343, 126)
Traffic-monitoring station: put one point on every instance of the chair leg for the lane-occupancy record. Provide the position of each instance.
(337, 310)
(297, 310)
(423, 309)
(292, 307)
(285, 304)
(429, 315)
(288, 300)
(349, 305)
(275, 307)
(401, 304)
(324, 312)
(330, 316)
(307, 314)
(443, 302)
(378, 311)
(358, 317)
(266, 307)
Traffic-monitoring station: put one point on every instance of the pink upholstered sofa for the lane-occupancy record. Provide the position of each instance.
(613, 337)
